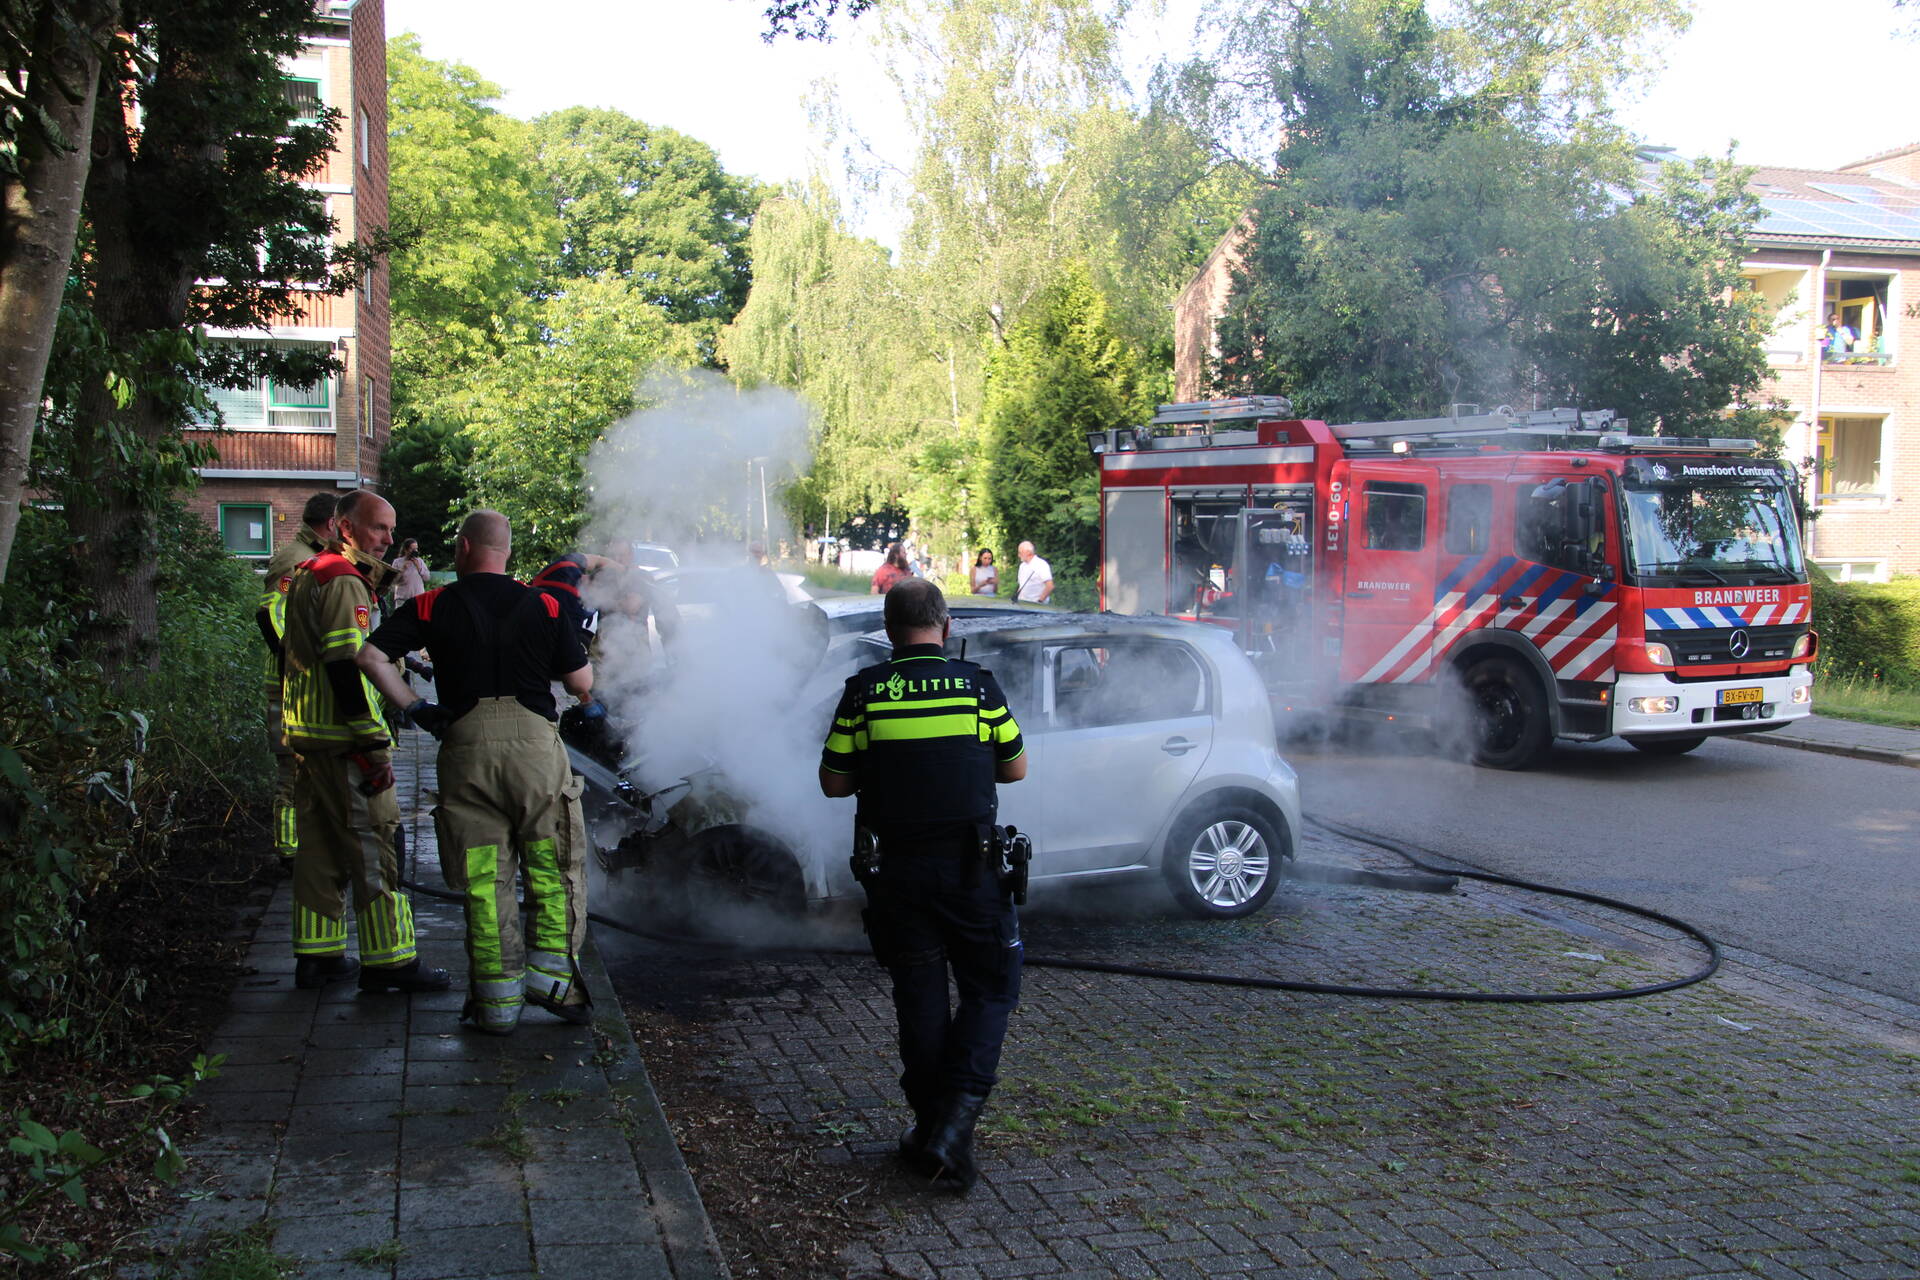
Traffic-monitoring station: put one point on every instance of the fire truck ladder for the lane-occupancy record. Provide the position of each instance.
(1542, 429)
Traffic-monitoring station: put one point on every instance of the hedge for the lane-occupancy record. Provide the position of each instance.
(1868, 630)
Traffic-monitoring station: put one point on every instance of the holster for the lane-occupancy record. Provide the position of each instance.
(866, 854)
(1012, 853)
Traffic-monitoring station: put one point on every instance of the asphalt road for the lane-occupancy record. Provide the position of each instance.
(1807, 858)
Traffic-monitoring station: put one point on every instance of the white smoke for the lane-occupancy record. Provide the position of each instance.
(721, 687)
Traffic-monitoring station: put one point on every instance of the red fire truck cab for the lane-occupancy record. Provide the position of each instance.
(1573, 580)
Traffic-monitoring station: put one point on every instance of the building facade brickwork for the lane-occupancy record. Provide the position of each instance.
(283, 443)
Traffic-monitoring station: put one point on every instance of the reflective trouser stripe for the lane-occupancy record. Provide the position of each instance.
(497, 1002)
(386, 931)
(286, 829)
(483, 916)
(548, 889)
(317, 935)
(551, 974)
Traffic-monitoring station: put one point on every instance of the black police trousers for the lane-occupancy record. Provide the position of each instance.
(933, 908)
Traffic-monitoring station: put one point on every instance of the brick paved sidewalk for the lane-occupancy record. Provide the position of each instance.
(374, 1136)
(1149, 1129)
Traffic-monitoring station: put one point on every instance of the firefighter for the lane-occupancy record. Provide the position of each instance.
(508, 796)
(343, 792)
(308, 541)
(563, 579)
(922, 740)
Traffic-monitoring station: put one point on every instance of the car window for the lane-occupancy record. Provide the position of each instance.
(1128, 683)
(1013, 668)
(1396, 516)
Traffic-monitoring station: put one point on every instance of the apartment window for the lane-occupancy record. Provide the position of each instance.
(366, 406)
(366, 154)
(1847, 454)
(1469, 519)
(1782, 292)
(247, 528)
(1854, 321)
(303, 96)
(273, 405)
(1854, 570)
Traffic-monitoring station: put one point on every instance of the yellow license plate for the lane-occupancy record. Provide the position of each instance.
(1734, 697)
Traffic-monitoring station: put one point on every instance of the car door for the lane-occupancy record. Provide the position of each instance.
(1128, 725)
(1387, 593)
(1014, 668)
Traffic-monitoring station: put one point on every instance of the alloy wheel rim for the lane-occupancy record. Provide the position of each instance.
(1228, 863)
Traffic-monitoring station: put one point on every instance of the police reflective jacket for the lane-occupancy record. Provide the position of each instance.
(922, 735)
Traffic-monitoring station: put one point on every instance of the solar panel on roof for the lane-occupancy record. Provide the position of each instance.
(1849, 191)
(1836, 218)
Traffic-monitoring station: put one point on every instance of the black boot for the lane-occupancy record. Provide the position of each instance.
(407, 977)
(310, 973)
(913, 1143)
(950, 1150)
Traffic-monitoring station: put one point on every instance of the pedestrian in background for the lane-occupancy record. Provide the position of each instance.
(922, 740)
(986, 578)
(508, 795)
(343, 792)
(891, 570)
(1034, 577)
(410, 573)
(308, 541)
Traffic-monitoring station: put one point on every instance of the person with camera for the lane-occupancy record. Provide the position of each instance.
(922, 740)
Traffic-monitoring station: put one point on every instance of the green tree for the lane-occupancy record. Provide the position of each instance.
(474, 237)
(534, 413)
(650, 206)
(1432, 234)
(1064, 372)
(196, 177)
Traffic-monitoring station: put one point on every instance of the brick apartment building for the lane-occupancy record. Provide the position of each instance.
(284, 443)
(1842, 242)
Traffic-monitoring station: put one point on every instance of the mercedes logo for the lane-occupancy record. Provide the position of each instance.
(1739, 643)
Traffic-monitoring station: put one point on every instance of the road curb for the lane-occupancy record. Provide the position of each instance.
(1909, 759)
(692, 1248)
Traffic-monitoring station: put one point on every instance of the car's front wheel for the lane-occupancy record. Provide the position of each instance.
(1222, 862)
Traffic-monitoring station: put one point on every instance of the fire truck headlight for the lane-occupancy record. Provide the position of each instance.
(1803, 693)
(1659, 653)
(1664, 705)
(1803, 646)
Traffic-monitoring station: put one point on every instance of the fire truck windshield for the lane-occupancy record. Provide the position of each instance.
(1681, 534)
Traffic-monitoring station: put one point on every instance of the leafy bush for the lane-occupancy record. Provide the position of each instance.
(1868, 631)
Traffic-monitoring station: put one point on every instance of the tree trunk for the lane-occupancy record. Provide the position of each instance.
(111, 498)
(39, 213)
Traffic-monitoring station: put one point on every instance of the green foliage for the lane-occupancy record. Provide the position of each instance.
(424, 474)
(245, 1255)
(1064, 372)
(535, 412)
(644, 204)
(1443, 225)
(1869, 632)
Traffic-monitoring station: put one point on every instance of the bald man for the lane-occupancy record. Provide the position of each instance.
(508, 795)
(345, 808)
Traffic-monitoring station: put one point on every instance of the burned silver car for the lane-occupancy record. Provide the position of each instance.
(1152, 753)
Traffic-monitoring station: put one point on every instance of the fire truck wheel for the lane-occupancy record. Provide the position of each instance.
(1666, 746)
(1510, 715)
(1221, 863)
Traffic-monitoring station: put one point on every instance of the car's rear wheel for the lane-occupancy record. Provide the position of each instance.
(1222, 862)
(1667, 746)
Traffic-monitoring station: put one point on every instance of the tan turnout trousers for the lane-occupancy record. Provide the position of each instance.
(509, 799)
(347, 838)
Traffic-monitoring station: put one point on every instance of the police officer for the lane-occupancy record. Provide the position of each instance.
(922, 740)
(308, 541)
(343, 792)
(507, 791)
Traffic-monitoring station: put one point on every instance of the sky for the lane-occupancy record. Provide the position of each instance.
(1793, 83)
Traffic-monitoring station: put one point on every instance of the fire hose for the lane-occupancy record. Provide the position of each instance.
(1203, 977)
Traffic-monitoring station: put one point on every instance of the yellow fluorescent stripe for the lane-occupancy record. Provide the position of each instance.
(840, 722)
(882, 708)
(336, 634)
(919, 727)
(1006, 732)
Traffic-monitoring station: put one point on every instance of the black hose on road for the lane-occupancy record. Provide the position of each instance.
(1206, 978)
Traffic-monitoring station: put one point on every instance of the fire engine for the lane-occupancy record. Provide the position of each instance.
(1576, 581)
